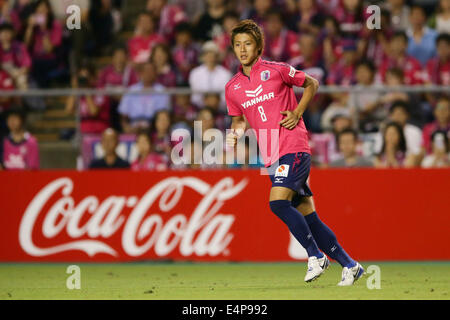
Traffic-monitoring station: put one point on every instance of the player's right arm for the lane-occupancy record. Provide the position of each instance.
(238, 125)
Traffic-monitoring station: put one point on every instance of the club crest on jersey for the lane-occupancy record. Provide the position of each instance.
(282, 171)
(265, 75)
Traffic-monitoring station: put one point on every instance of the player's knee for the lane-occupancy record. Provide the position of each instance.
(279, 206)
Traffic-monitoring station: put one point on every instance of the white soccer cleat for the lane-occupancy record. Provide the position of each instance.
(316, 266)
(350, 275)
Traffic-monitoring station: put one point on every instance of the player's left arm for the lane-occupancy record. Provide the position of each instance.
(293, 117)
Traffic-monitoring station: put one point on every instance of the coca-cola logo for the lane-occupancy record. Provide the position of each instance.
(203, 232)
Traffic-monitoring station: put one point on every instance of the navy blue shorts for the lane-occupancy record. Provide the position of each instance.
(292, 171)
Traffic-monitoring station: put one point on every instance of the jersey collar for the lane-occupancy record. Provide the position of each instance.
(255, 65)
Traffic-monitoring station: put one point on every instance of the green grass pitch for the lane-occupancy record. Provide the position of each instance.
(225, 281)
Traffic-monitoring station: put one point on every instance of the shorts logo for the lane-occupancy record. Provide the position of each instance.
(278, 180)
(282, 171)
(265, 75)
(292, 72)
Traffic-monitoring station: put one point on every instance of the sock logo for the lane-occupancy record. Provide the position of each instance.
(333, 248)
(282, 171)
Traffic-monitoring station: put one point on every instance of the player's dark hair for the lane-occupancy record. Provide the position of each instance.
(445, 37)
(399, 104)
(402, 142)
(249, 27)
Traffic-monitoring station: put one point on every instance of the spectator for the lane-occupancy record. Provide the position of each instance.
(209, 76)
(347, 142)
(105, 21)
(438, 68)
(440, 156)
(223, 41)
(206, 117)
(367, 103)
(398, 58)
(212, 101)
(422, 40)
(19, 150)
(399, 14)
(14, 57)
(258, 11)
(441, 123)
(331, 40)
(394, 78)
(16, 13)
(138, 109)
(342, 72)
(375, 46)
(185, 52)
(307, 18)
(400, 114)
(281, 43)
(145, 37)
(76, 42)
(119, 74)
(183, 109)
(94, 110)
(339, 105)
(168, 15)
(393, 151)
(110, 160)
(162, 60)
(43, 37)
(209, 24)
(441, 20)
(351, 18)
(309, 58)
(328, 6)
(147, 158)
(160, 137)
(6, 83)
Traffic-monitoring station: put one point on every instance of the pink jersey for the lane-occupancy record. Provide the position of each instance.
(261, 97)
(20, 156)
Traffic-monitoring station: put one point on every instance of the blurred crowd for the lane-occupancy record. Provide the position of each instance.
(185, 43)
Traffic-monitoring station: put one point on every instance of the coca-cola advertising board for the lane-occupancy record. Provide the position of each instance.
(216, 215)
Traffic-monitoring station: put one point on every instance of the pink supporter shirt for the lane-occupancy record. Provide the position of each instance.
(261, 97)
(21, 156)
(153, 161)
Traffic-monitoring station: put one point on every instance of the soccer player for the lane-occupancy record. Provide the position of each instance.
(262, 93)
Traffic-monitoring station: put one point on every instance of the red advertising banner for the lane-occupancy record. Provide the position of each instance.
(223, 215)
